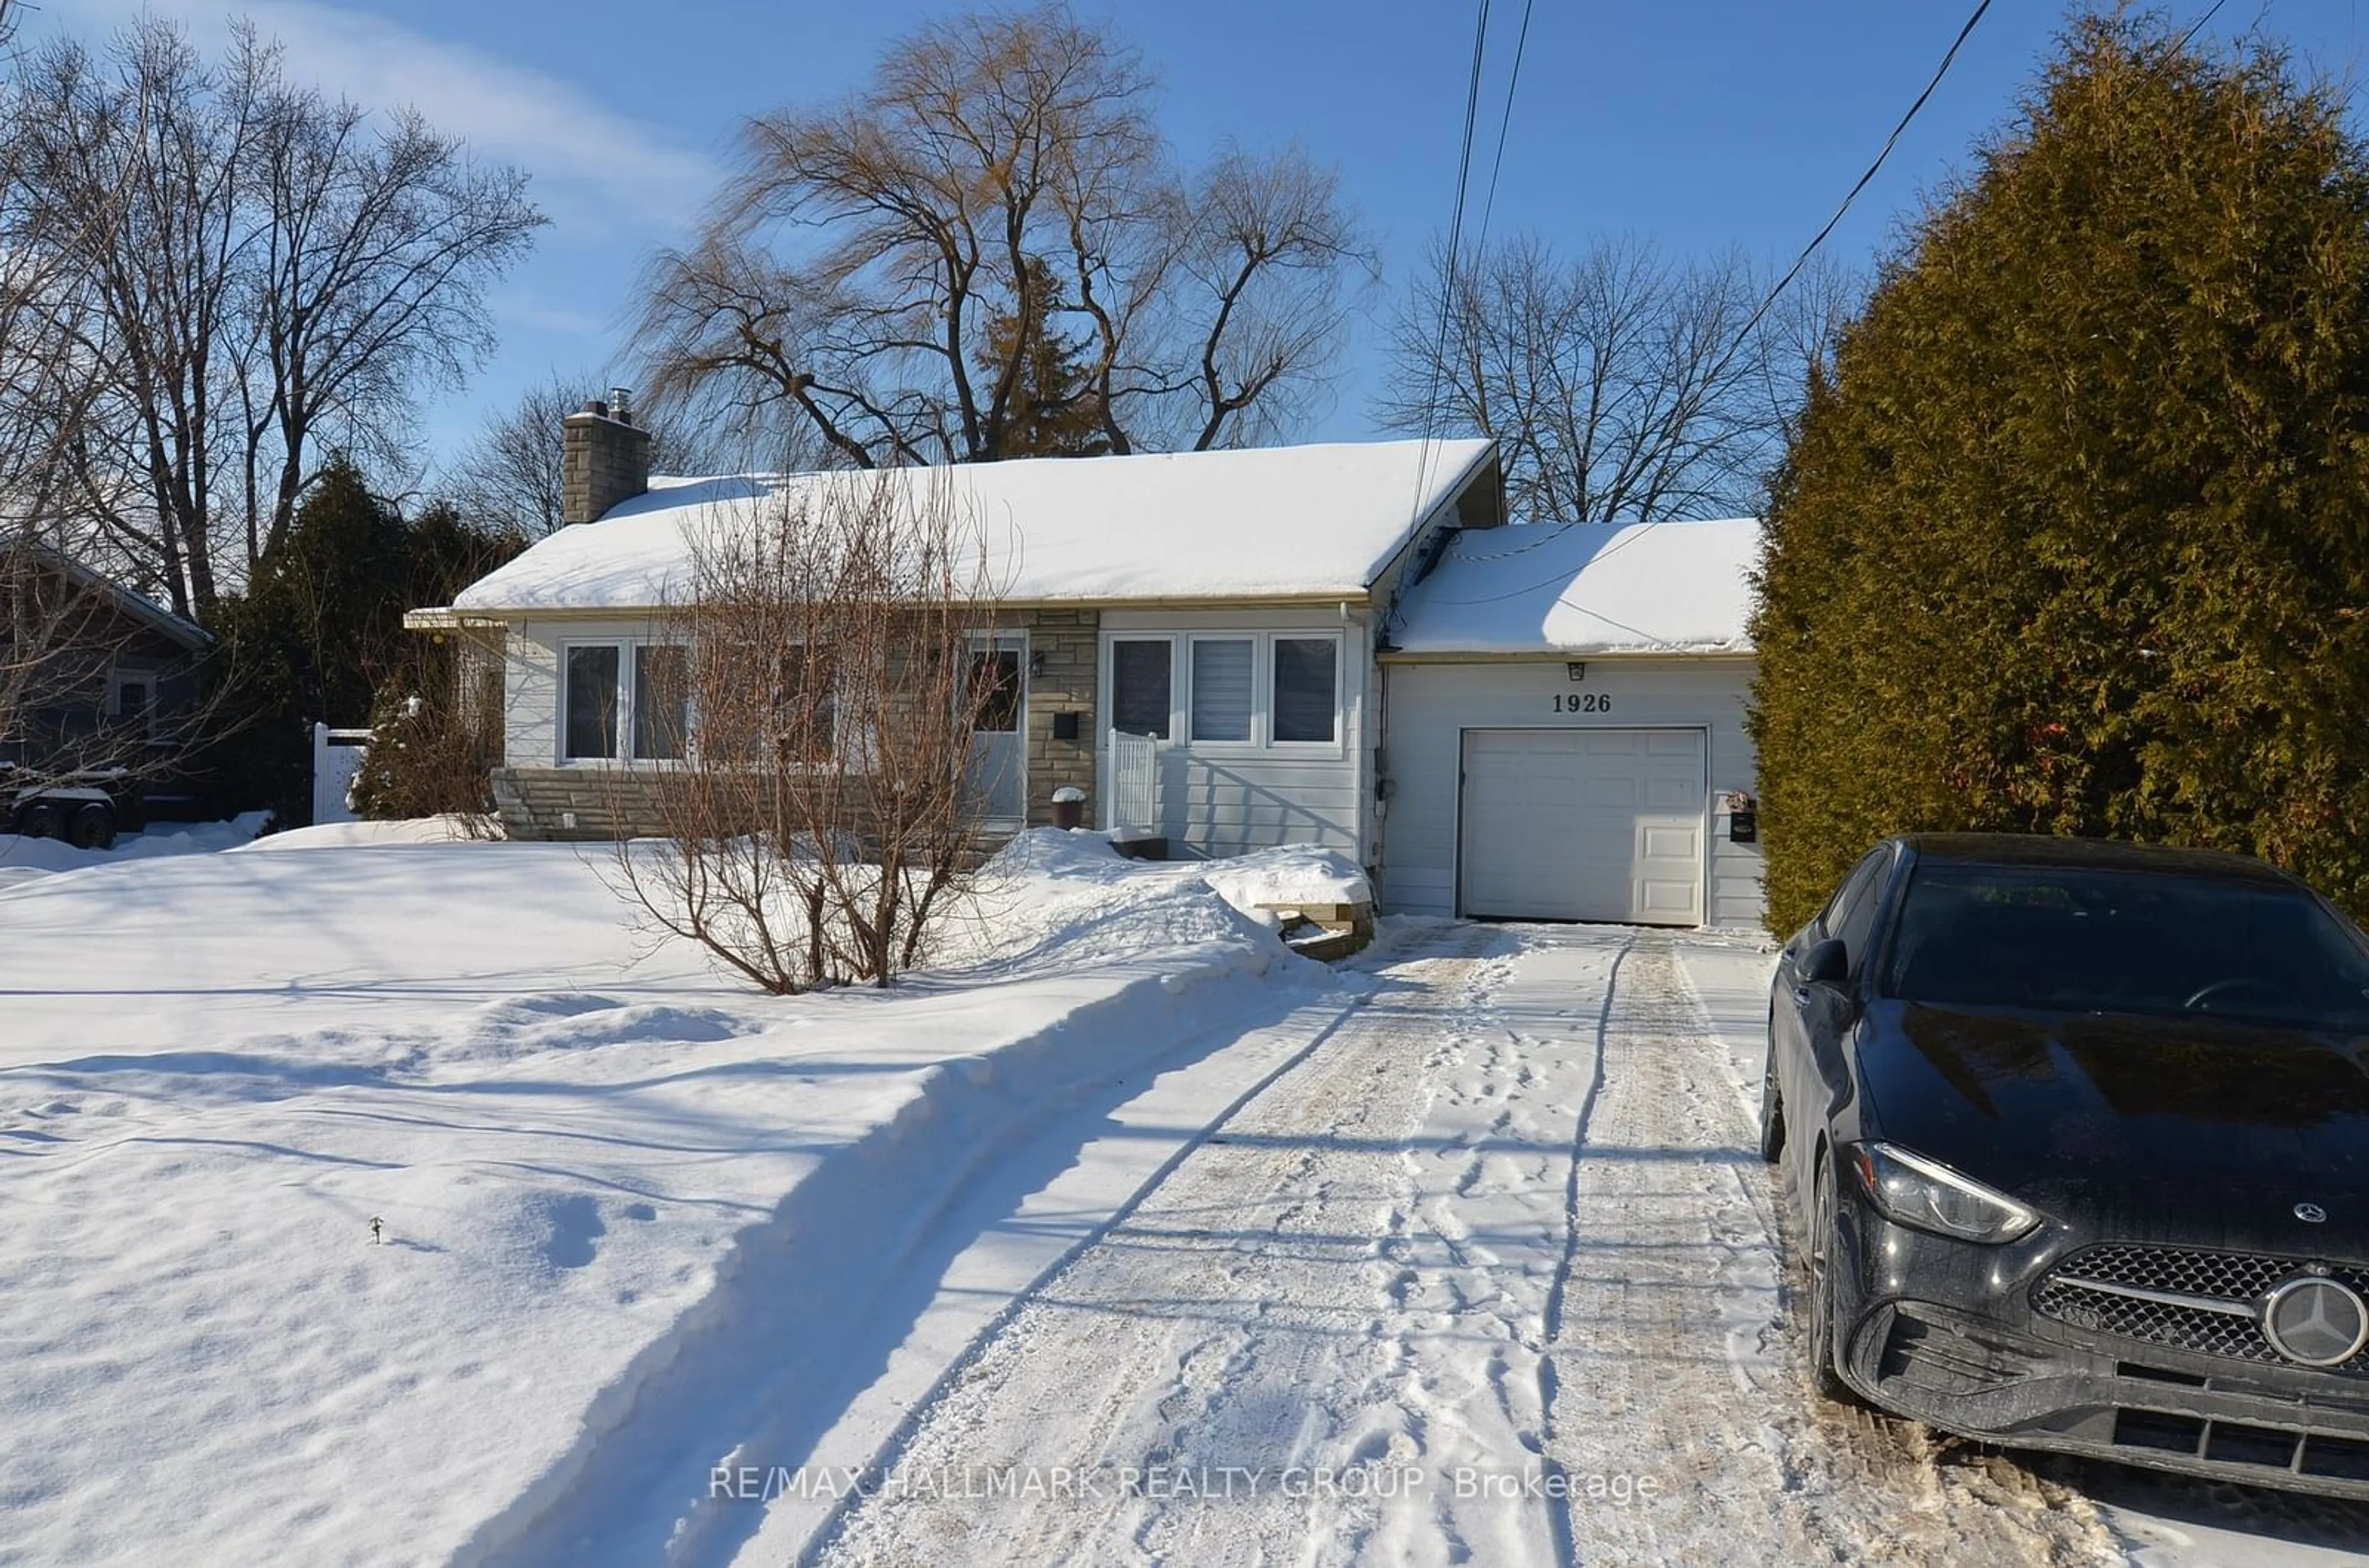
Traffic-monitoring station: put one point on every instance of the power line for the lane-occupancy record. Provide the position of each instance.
(2197, 26)
(1504, 121)
(1761, 311)
(1455, 242)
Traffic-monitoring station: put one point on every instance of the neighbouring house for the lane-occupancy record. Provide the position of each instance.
(1564, 728)
(98, 685)
(1190, 635)
(1341, 646)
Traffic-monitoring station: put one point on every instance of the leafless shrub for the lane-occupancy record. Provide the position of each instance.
(805, 724)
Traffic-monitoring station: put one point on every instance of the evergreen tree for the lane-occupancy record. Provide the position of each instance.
(2075, 538)
(318, 635)
(1052, 411)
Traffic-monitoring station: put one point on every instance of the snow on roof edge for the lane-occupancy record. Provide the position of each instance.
(1263, 523)
(1551, 591)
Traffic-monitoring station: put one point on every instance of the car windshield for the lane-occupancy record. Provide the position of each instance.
(2072, 939)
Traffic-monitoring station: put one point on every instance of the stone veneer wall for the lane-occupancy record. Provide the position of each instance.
(1068, 642)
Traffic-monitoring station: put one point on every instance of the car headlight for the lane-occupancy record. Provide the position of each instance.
(1929, 1195)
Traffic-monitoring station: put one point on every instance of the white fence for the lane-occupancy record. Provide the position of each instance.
(1133, 783)
(337, 757)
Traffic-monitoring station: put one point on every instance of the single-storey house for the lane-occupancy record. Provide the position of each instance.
(1217, 609)
(1227, 651)
(1564, 728)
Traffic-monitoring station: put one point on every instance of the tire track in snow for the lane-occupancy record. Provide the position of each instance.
(1676, 1354)
(1283, 1299)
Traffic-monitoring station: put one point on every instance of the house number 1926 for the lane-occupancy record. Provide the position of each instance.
(1583, 703)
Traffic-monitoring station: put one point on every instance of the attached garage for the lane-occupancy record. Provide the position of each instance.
(1583, 825)
(1565, 730)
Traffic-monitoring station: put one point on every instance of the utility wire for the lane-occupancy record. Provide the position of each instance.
(1504, 122)
(1448, 279)
(1768, 301)
(2198, 25)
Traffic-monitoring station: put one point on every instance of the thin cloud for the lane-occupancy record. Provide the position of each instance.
(592, 168)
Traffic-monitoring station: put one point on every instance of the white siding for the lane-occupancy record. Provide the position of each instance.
(1225, 799)
(1430, 706)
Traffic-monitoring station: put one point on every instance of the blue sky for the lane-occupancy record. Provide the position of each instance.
(1703, 125)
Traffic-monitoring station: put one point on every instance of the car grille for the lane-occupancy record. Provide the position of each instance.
(2068, 1293)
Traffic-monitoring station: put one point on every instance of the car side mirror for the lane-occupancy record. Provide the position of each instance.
(1826, 963)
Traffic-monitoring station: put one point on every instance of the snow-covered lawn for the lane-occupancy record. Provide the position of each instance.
(359, 1195)
(660, 1269)
(23, 859)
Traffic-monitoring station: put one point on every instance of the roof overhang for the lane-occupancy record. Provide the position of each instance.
(1567, 656)
(444, 618)
(137, 606)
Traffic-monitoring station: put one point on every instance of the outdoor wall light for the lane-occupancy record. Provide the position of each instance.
(1036, 662)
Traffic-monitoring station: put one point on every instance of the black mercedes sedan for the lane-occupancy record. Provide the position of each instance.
(2075, 1137)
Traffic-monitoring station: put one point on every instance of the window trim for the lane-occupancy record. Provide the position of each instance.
(1176, 723)
(629, 733)
(620, 752)
(622, 693)
(1262, 742)
(1253, 734)
(149, 681)
(1340, 693)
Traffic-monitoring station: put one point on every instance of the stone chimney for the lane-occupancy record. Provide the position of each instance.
(604, 458)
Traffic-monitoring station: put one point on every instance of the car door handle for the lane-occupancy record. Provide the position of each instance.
(1801, 995)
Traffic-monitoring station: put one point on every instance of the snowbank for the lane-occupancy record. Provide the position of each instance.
(388, 1194)
(1287, 878)
(22, 858)
(345, 835)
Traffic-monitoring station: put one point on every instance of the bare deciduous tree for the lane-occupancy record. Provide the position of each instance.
(280, 272)
(809, 714)
(509, 479)
(886, 273)
(1619, 385)
(63, 632)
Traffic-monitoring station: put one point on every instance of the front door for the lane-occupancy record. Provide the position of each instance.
(999, 745)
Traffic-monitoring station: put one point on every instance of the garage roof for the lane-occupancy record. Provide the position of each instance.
(1274, 522)
(1574, 588)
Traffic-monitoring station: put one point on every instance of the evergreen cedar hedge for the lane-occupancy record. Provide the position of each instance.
(2075, 536)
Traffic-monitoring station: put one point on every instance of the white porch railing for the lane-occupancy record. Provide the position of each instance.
(1133, 783)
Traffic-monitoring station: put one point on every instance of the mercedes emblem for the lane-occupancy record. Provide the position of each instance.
(2310, 1213)
(2315, 1321)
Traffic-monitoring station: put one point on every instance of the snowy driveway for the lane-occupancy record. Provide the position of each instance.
(1488, 1275)
(1127, 1238)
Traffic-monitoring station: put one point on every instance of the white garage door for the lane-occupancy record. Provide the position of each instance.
(1584, 824)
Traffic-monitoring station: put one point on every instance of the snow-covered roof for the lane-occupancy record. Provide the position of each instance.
(1272, 522)
(1587, 589)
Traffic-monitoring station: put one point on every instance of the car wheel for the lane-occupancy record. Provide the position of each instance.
(1772, 1111)
(38, 820)
(1820, 1258)
(93, 827)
